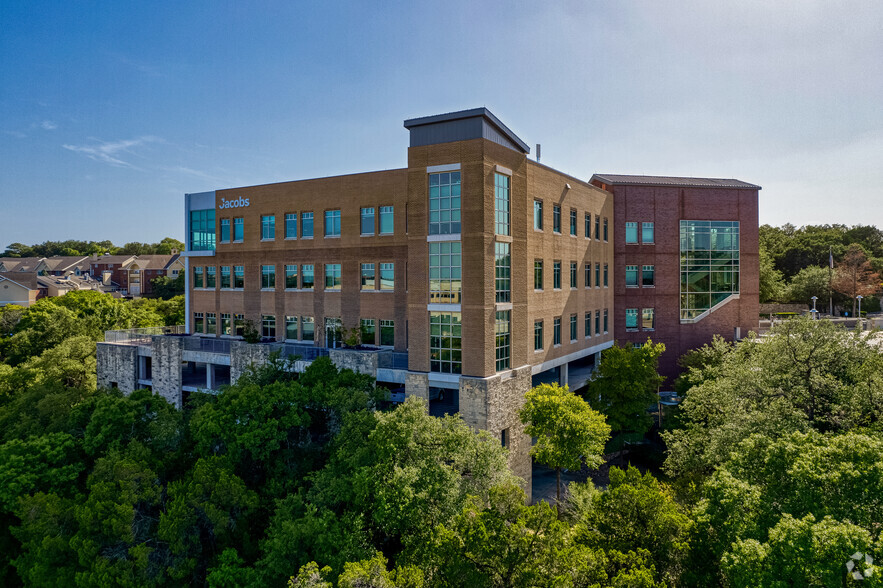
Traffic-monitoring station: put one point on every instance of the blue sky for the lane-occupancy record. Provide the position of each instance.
(111, 111)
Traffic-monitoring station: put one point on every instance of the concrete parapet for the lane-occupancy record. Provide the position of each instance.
(168, 352)
(361, 362)
(117, 365)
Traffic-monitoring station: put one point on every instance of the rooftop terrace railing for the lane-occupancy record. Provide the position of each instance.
(140, 336)
(392, 360)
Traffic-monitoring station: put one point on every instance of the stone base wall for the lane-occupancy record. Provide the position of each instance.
(417, 384)
(361, 362)
(243, 354)
(168, 352)
(117, 364)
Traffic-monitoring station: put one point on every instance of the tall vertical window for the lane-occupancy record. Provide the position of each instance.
(597, 275)
(444, 203)
(291, 225)
(648, 319)
(366, 223)
(291, 277)
(226, 324)
(268, 326)
(503, 272)
(368, 330)
(306, 225)
(556, 275)
(387, 332)
(225, 276)
(367, 276)
(597, 228)
(538, 215)
(631, 319)
(588, 227)
(572, 328)
(709, 265)
(573, 274)
(556, 331)
(268, 227)
(606, 275)
(588, 275)
(238, 324)
(537, 335)
(210, 279)
(268, 276)
(501, 332)
(648, 276)
(387, 219)
(597, 322)
(238, 276)
(202, 230)
(211, 323)
(198, 322)
(647, 233)
(225, 230)
(307, 328)
(631, 276)
(445, 350)
(291, 327)
(573, 222)
(238, 229)
(332, 276)
(605, 228)
(332, 223)
(556, 218)
(538, 274)
(308, 278)
(387, 276)
(445, 282)
(605, 320)
(197, 277)
(587, 324)
(501, 204)
(631, 233)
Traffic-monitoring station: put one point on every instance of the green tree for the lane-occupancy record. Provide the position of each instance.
(808, 282)
(625, 385)
(166, 287)
(567, 430)
(372, 573)
(855, 276)
(772, 284)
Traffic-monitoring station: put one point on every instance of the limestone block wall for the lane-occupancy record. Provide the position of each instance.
(168, 352)
(361, 362)
(117, 364)
(244, 354)
(417, 384)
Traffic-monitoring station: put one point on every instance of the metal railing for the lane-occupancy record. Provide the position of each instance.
(305, 352)
(140, 336)
(392, 360)
(207, 345)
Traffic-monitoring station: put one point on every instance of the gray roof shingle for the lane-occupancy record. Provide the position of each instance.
(677, 182)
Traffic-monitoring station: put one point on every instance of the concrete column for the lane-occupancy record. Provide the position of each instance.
(210, 376)
(117, 365)
(168, 352)
(417, 384)
(244, 354)
(563, 372)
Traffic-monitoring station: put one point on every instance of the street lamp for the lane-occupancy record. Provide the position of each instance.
(814, 311)
(859, 298)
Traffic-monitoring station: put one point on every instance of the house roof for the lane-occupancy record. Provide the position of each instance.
(152, 262)
(25, 279)
(20, 264)
(113, 259)
(673, 181)
(61, 263)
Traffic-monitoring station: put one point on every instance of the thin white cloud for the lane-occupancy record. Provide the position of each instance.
(112, 152)
(48, 125)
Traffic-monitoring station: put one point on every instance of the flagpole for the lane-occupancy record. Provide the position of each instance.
(830, 278)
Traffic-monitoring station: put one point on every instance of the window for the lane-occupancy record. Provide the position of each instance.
(503, 267)
(538, 274)
(226, 324)
(268, 228)
(367, 276)
(538, 215)
(606, 273)
(605, 321)
(573, 222)
(572, 328)
(631, 233)
(648, 276)
(333, 332)
(387, 332)
(631, 276)
(211, 323)
(238, 276)
(307, 328)
(501, 204)
(367, 221)
(537, 335)
(268, 277)
(225, 276)
(238, 229)
(202, 230)
(332, 223)
(605, 229)
(587, 324)
(631, 319)
(587, 271)
(648, 319)
(573, 274)
(238, 324)
(597, 322)
(597, 228)
(291, 226)
(445, 355)
(332, 276)
(444, 203)
(709, 265)
(588, 227)
(291, 277)
(306, 225)
(198, 322)
(556, 275)
(556, 218)
(225, 230)
(597, 275)
(647, 233)
(386, 220)
(504, 438)
(197, 277)
(368, 330)
(268, 326)
(556, 331)
(210, 279)
(291, 327)
(444, 272)
(501, 331)
(387, 276)
(308, 279)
